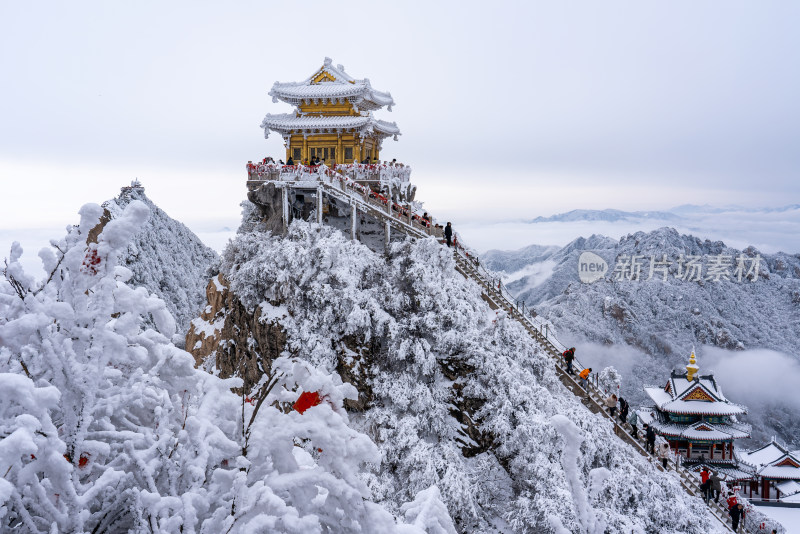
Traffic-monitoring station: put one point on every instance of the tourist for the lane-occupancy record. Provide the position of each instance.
(584, 376)
(611, 404)
(634, 420)
(736, 513)
(650, 435)
(732, 500)
(705, 486)
(623, 410)
(663, 453)
(569, 357)
(716, 485)
(394, 162)
(290, 161)
(448, 234)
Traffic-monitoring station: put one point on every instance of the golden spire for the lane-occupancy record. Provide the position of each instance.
(692, 368)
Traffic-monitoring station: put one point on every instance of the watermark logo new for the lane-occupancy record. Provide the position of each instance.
(591, 267)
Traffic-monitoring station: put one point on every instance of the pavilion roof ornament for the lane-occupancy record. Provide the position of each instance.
(692, 368)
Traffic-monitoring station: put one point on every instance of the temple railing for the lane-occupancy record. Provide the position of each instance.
(261, 173)
(355, 171)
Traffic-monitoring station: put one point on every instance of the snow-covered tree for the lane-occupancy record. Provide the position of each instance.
(105, 426)
(453, 396)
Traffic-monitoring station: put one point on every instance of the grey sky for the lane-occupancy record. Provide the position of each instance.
(631, 105)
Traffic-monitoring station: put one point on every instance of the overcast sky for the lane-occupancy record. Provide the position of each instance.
(508, 109)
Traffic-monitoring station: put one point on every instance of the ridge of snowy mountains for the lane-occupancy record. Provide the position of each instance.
(747, 332)
(606, 215)
(167, 258)
(677, 213)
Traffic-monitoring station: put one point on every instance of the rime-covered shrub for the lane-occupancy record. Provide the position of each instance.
(105, 426)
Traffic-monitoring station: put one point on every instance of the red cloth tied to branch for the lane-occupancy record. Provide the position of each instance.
(306, 400)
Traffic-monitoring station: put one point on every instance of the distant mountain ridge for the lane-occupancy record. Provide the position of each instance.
(606, 215)
(664, 319)
(673, 214)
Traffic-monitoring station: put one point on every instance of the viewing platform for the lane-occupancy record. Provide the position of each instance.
(379, 188)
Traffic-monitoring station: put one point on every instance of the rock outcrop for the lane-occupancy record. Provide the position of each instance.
(228, 340)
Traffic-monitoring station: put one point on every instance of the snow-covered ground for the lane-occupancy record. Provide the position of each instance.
(788, 517)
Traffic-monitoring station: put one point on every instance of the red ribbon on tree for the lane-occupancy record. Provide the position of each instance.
(306, 400)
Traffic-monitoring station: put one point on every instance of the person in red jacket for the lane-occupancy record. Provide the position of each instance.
(732, 500)
(569, 356)
(706, 483)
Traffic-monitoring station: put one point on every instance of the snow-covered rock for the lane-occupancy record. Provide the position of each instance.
(167, 258)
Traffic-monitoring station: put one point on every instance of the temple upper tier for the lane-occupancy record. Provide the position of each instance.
(332, 119)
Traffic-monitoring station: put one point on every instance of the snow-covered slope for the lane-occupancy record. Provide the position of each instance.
(166, 258)
(646, 327)
(106, 426)
(453, 394)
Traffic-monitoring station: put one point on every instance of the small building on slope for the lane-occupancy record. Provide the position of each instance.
(332, 119)
(775, 472)
(697, 421)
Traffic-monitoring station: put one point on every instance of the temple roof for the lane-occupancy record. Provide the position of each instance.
(285, 123)
(726, 472)
(677, 404)
(702, 431)
(772, 461)
(688, 393)
(330, 84)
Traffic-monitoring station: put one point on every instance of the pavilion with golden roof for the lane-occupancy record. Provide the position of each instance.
(332, 119)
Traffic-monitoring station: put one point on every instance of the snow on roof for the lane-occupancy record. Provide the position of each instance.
(682, 387)
(358, 92)
(703, 408)
(772, 461)
(791, 498)
(729, 473)
(287, 122)
(664, 401)
(785, 472)
(767, 454)
(790, 487)
(702, 430)
(645, 417)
